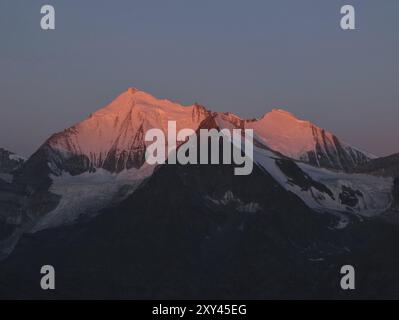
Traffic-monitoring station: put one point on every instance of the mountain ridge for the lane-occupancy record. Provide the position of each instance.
(112, 137)
(86, 200)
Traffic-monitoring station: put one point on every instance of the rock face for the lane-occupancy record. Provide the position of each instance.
(9, 162)
(11, 197)
(384, 166)
(395, 193)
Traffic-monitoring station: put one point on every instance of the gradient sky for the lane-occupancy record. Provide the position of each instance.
(246, 57)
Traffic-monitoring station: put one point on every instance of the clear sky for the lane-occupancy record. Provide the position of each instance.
(246, 57)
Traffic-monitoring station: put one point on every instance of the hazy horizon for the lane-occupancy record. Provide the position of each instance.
(246, 58)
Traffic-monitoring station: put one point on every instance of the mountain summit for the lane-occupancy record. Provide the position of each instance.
(302, 140)
(87, 189)
(111, 144)
(112, 138)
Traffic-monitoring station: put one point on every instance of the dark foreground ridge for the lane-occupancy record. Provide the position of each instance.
(198, 231)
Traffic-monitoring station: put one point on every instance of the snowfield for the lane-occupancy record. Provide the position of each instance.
(374, 194)
(84, 195)
(376, 191)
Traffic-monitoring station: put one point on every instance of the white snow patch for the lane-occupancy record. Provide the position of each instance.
(16, 157)
(229, 198)
(376, 191)
(84, 195)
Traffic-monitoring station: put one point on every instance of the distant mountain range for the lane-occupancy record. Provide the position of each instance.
(87, 200)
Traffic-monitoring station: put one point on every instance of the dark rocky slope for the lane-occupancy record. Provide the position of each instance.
(384, 166)
(195, 232)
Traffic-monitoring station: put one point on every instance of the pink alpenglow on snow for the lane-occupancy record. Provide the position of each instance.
(298, 139)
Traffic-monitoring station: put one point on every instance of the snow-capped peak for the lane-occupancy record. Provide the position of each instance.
(102, 158)
(285, 133)
(112, 138)
(300, 139)
(281, 113)
(132, 97)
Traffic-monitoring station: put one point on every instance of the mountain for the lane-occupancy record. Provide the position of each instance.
(100, 161)
(11, 197)
(9, 162)
(201, 232)
(322, 189)
(384, 166)
(112, 138)
(302, 140)
(87, 200)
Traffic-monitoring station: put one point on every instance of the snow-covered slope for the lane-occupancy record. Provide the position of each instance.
(112, 138)
(84, 195)
(302, 140)
(322, 189)
(326, 190)
(101, 160)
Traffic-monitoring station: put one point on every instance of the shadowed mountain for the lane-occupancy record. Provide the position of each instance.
(199, 231)
(9, 162)
(384, 166)
(11, 197)
(115, 227)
